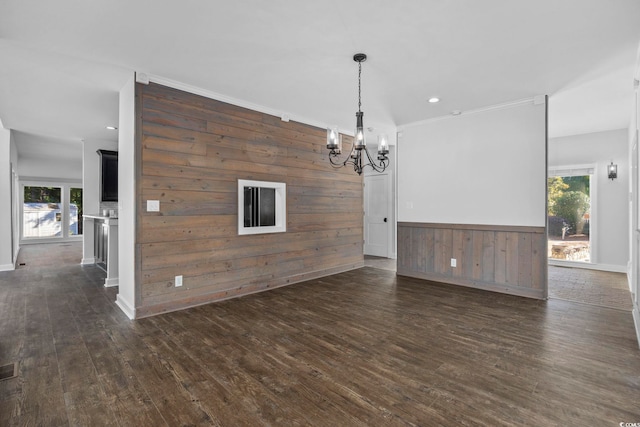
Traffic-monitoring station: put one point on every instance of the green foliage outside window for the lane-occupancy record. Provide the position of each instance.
(75, 196)
(568, 199)
(42, 194)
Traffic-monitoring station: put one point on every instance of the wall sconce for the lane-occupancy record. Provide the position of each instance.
(612, 171)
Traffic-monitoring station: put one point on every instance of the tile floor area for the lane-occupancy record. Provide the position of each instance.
(600, 288)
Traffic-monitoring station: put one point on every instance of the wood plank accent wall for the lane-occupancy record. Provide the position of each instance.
(191, 152)
(507, 259)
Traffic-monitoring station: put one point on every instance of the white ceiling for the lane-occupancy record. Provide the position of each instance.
(63, 62)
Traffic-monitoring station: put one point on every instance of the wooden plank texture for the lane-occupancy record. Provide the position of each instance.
(360, 348)
(191, 152)
(505, 259)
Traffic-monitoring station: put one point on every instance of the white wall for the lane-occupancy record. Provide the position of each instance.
(91, 190)
(49, 168)
(633, 138)
(126, 200)
(610, 224)
(486, 167)
(16, 196)
(6, 261)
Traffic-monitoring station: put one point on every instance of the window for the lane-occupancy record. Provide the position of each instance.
(261, 207)
(51, 211)
(75, 211)
(42, 212)
(569, 215)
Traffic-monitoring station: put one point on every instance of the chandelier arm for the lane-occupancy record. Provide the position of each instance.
(338, 164)
(373, 165)
(341, 163)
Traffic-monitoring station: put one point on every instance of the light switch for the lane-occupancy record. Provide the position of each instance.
(153, 205)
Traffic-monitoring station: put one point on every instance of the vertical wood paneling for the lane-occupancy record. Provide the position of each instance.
(191, 152)
(430, 252)
(467, 254)
(512, 260)
(457, 252)
(501, 258)
(442, 251)
(421, 251)
(524, 261)
(476, 255)
(404, 240)
(488, 256)
(538, 256)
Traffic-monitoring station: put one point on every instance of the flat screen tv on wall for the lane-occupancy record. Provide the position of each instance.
(108, 175)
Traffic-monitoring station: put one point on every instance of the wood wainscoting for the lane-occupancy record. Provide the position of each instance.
(191, 152)
(507, 259)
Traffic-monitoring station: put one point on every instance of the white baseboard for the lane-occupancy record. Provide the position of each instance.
(109, 283)
(88, 261)
(125, 307)
(589, 266)
(636, 322)
(7, 267)
(52, 240)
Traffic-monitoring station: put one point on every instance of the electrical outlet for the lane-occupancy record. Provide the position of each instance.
(178, 281)
(153, 205)
(454, 262)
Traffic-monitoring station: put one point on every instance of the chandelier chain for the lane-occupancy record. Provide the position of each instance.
(359, 84)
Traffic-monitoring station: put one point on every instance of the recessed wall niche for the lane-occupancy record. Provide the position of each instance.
(262, 207)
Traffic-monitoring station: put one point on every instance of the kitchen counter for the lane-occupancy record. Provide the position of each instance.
(105, 245)
(108, 219)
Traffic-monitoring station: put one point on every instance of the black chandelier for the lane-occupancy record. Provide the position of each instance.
(356, 158)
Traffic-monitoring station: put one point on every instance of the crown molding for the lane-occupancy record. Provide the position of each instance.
(284, 116)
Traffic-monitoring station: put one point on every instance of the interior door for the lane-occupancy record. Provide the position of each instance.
(377, 221)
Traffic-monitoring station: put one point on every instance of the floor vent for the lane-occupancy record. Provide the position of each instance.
(8, 371)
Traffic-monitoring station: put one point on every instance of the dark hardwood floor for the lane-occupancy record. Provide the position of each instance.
(359, 348)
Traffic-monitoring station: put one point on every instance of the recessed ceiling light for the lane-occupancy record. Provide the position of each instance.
(112, 128)
(434, 99)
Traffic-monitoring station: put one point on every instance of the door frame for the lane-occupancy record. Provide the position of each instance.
(387, 177)
(392, 211)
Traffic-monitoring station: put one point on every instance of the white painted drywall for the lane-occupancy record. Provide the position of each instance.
(611, 221)
(634, 236)
(91, 190)
(34, 168)
(6, 262)
(14, 203)
(485, 167)
(126, 200)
